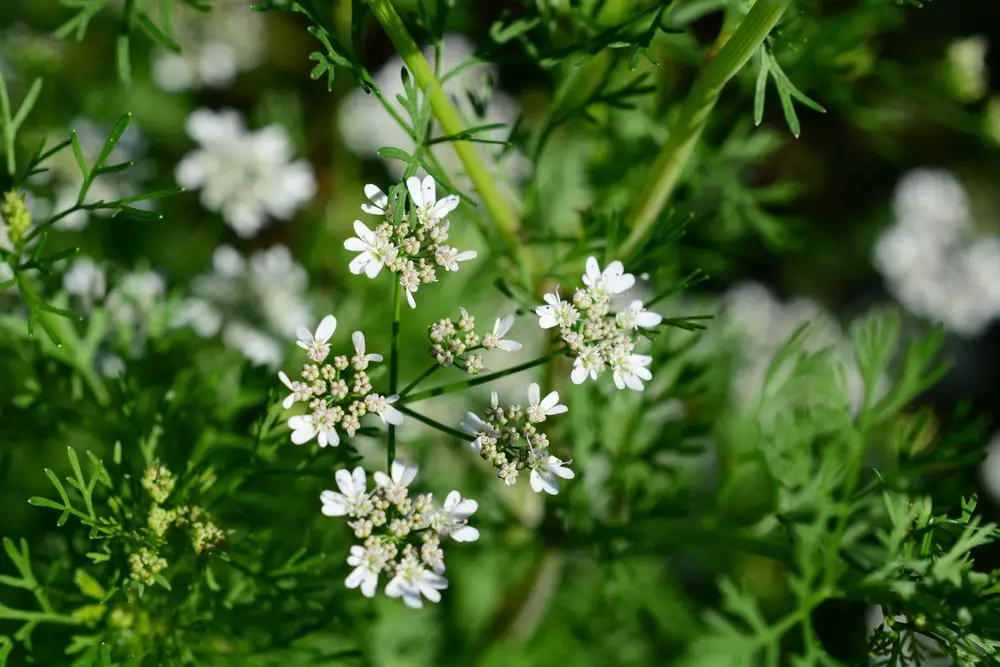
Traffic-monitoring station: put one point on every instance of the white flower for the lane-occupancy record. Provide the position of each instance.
(448, 257)
(367, 564)
(200, 315)
(299, 391)
(317, 346)
(402, 475)
(587, 364)
(477, 427)
(320, 425)
(379, 200)
(556, 312)
(423, 194)
(361, 360)
(539, 409)
(453, 518)
(85, 280)
(352, 499)
(245, 175)
(544, 470)
(375, 251)
(613, 280)
(630, 370)
(637, 317)
(215, 47)
(413, 581)
(495, 340)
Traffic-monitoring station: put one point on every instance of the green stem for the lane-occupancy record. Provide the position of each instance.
(482, 379)
(436, 424)
(503, 213)
(394, 366)
(686, 132)
(423, 376)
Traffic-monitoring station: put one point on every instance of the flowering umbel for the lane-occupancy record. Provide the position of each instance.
(413, 245)
(338, 394)
(599, 335)
(401, 536)
(509, 439)
(458, 343)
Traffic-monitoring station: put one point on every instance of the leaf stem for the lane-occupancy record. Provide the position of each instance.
(503, 211)
(687, 130)
(394, 367)
(420, 378)
(461, 435)
(481, 379)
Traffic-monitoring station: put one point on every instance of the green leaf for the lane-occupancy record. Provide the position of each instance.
(81, 160)
(760, 91)
(116, 135)
(27, 104)
(123, 61)
(6, 646)
(158, 35)
(392, 153)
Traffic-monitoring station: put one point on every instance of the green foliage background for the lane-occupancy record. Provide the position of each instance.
(696, 533)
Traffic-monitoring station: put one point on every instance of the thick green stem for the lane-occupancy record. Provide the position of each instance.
(503, 212)
(481, 379)
(394, 366)
(686, 132)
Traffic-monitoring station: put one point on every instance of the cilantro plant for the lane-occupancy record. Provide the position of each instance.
(453, 379)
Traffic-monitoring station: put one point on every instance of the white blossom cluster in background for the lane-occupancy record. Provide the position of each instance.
(247, 176)
(366, 126)
(761, 324)
(933, 261)
(600, 334)
(62, 177)
(215, 47)
(401, 534)
(965, 68)
(989, 469)
(136, 307)
(416, 247)
(509, 440)
(338, 394)
(457, 343)
(256, 304)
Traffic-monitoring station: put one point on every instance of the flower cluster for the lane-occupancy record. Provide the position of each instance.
(415, 246)
(457, 342)
(599, 334)
(509, 439)
(401, 535)
(338, 394)
(146, 562)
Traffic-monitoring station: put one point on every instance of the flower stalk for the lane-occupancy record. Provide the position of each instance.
(502, 211)
(393, 369)
(686, 132)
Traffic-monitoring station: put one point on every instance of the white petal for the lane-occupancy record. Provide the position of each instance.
(284, 379)
(368, 584)
(648, 320)
(578, 375)
(509, 345)
(409, 299)
(444, 207)
(402, 473)
(551, 399)
(466, 255)
(333, 503)
(288, 402)
(533, 393)
(593, 271)
(536, 482)
(413, 186)
(392, 416)
(619, 380)
(358, 477)
(465, 534)
(373, 267)
(355, 245)
(428, 190)
(360, 263)
(358, 338)
(304, 335)
(562, 471)
(503, 325)
(344, 481)
(363, 233)
(355, 578)
(395, 587)
(326, 328)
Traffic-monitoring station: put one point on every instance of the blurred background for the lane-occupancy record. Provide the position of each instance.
(891, 196)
